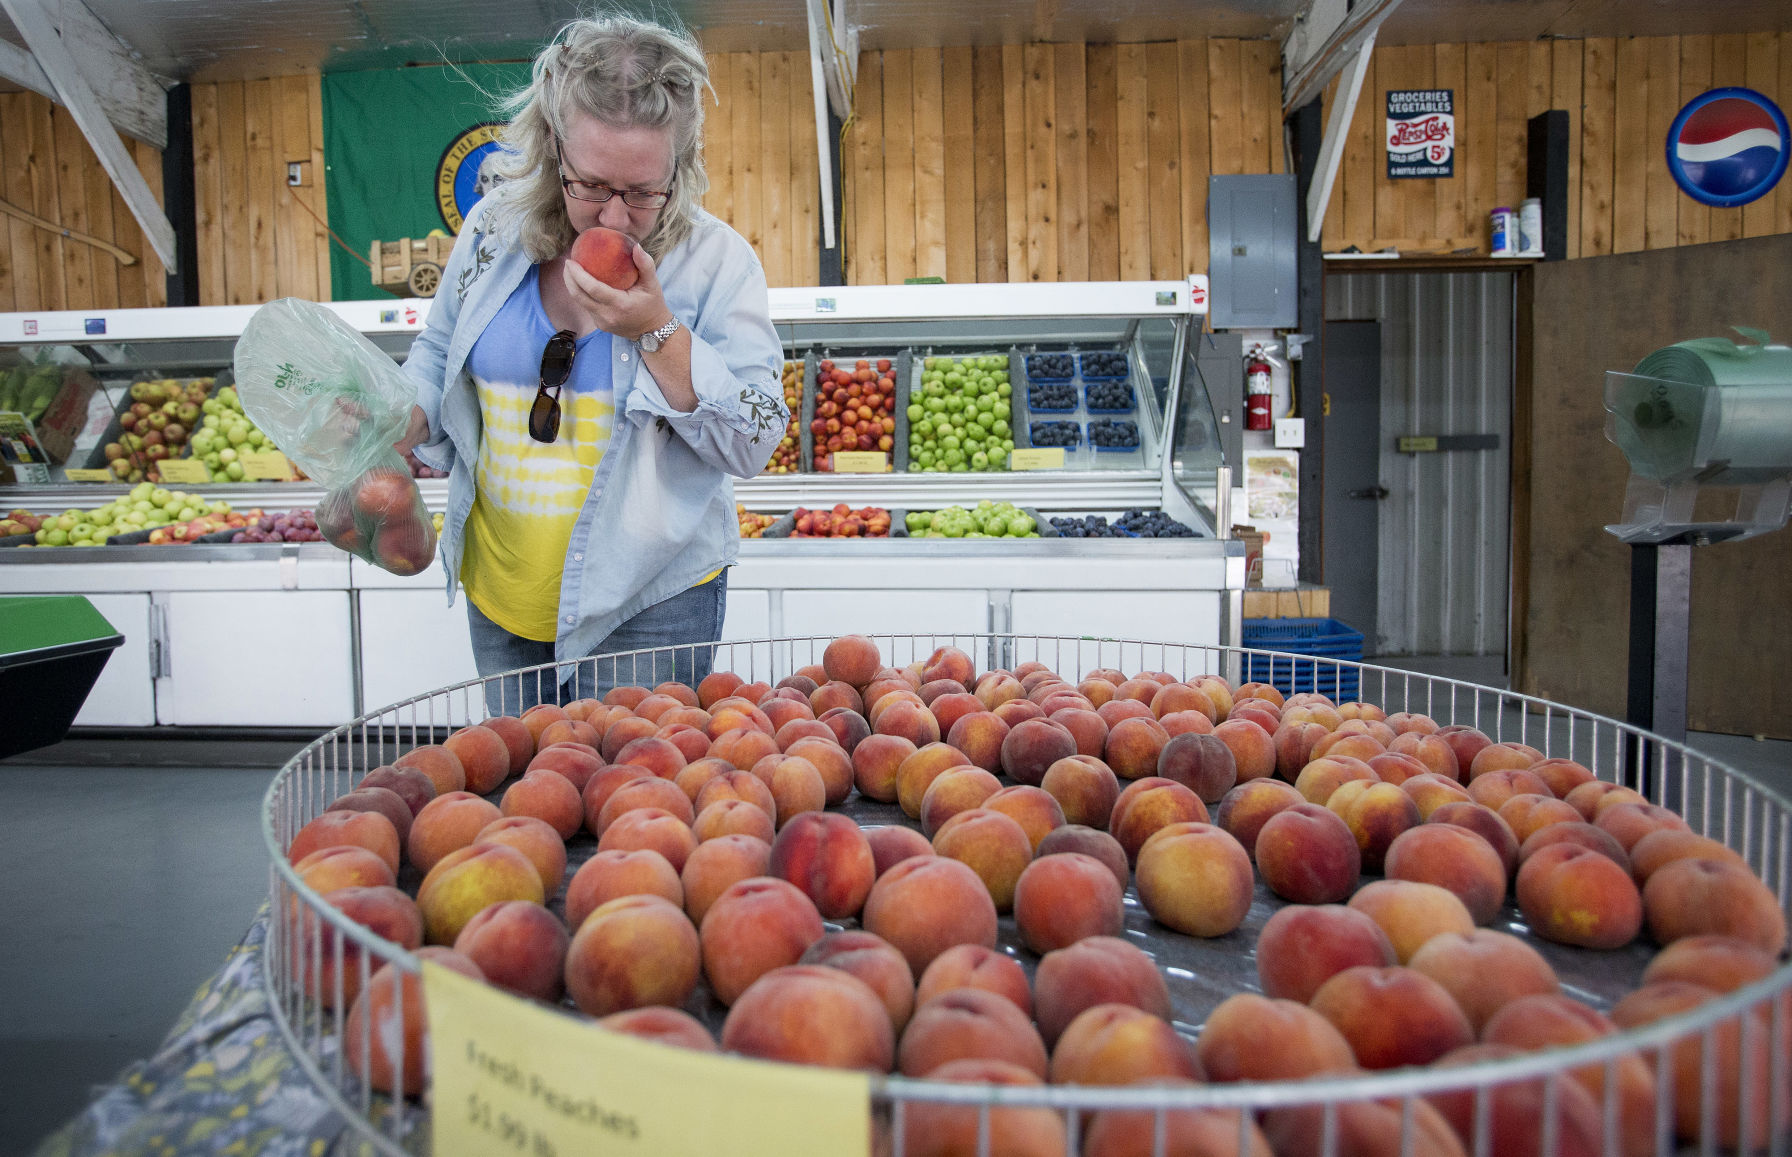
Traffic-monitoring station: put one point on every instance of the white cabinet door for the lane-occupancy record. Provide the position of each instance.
(125, 694)
(1150, 616)
(258, 659)
(413, 642)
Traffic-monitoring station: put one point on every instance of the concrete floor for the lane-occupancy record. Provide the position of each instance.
(132, 865)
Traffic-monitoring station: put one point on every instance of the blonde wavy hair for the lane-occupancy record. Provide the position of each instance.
(626, 73)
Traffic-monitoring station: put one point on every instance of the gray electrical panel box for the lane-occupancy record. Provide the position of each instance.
(1252, 227)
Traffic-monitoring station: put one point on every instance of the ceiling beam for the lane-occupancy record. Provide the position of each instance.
(55, 55)
(132, 97)
(1337, 127)
(1325, 38)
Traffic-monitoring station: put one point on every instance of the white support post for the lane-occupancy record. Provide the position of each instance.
(129, 94)
(1309, 63)
(824, 144)
(58, 63)
(1337, 127)
(833, 60)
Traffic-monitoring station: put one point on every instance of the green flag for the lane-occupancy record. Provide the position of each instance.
(404, 148)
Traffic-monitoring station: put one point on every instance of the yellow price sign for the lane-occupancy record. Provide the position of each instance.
(74, 474)
(266, 466)
(861, 462)
(1037, 458)
(186, 471)
(510, 1076)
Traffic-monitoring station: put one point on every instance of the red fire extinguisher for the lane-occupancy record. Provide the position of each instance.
(1258, 396)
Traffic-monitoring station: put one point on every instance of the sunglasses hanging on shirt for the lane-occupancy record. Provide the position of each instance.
(556, 367)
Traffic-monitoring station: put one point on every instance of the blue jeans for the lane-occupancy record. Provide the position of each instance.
(679, 626)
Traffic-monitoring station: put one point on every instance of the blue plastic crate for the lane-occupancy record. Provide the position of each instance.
(1298, 639)
(1082, 366)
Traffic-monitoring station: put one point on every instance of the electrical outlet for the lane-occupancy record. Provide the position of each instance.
(1291, 433)
(295, 172)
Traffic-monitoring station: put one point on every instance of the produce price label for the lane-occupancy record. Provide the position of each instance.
(513, 1077)
(74, 474)
(1037, 458)
(861, 462)
(185, 471)
(266, 466)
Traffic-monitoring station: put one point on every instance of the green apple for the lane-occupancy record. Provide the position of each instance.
(234, 471)
(56, 537)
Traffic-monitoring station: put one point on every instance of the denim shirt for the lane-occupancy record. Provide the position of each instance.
(660, 514)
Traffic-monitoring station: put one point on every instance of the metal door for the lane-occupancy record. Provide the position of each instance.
(1353, 488)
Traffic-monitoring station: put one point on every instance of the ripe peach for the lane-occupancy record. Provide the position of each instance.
(382, 801)
(743, 746)
(652, 828)
(1466, 742)
(966, 1023)
(1361, 1129)
(536, 840)
(1033, 808)
(1147, 805)
(1265, 691)
(1412, 913)
(1326, 717)
(385, 1038)
(1134, 747)
(1493, 788)
(1581, 833)
(1430, 750)
(1630, 822)
(1392, 1016)
(1089, 730)
(1502, 757)
(976, 966)
(662, 1025)
(1017, 711)
(659, 756)
(884, 704)
(716, 685)
(578, 731)
(1432, 791)
(734, 784)
(1032, 746)
(1247, 807)
(1404, 721)
(943, 1129)
(994, 690)
(1660, 848)
(912, 721)
(608, 255)
(1308, 855)
(1186, 723)
(344, 866)
(1377, 814)
(1516, 1110)
(949, 663)
(1174, 697)
(872, 960)
(1484, 970)
(1263, 714)
(1118, 1044)
(1739, 1044)
(714, 867)
(1253, 748)
(409, 784)
(734, 715)
(1528, 814)
(892, 844)
(641, 792)
(834, 694)
(627, 696)
(1089, 842)
(1589, 798)
(548, 797)
(1193, 1132)
(1574, 895)
(825, 855)
(875, 762)
(439, 763)
(831, 760)
(631, 952)
(949, 706)
(607, 875)
(1723, 963)
(1321, 777)
(926, 904)
(1095, 970)
(1203, 763)
(756, 925)
(1356, 745)
(851, 659)
(1195, 878)
(1059, 899)
(1552, 1020)
(519, 946)
(1144, 690)
(364, 829)
(655, 706)
(993, 845)
(1302, 947)
(915, 773)
(1455, 859)
(1484, 822)
(1711, 897)
(811, 1014)
(796, 786)
(448, 822)
(315, 945)
(538, 717)
(573, 762)
(958, 790)
(471, 878)
(1085, 788)
(1096, 691)
(1561, 775)
(981, 736)
(1257, 1038)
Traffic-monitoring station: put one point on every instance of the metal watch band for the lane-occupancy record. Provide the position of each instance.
(654, 338)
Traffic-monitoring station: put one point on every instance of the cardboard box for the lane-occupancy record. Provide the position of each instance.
(62, 423)
(1308, 602)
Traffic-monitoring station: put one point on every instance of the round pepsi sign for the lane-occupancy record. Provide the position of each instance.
(1728, 147)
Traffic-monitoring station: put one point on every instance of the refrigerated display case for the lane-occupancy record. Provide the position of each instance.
(302, 635)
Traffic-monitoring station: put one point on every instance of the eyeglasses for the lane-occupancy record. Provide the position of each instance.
(556, 367)
(600, 192)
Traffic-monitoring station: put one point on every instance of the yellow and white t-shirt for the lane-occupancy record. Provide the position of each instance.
(527, 494)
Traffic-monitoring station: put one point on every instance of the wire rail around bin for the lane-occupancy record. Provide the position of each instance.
(1717, 801)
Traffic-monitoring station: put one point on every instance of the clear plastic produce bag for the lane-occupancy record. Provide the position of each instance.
(336, 404)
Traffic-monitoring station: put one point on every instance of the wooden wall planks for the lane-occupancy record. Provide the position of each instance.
(1085, 161)
(1621, 96)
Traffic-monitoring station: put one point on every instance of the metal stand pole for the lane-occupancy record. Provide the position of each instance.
(1660, 607)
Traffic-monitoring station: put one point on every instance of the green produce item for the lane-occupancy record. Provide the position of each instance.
(986, 520)
(959, 417)
(12, 388)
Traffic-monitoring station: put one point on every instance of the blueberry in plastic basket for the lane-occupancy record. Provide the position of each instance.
(1088, 526)
(1108, 364)
(1050, 366)
(1109, 434)
(1110, 397)
(1153, 524)
(1055, 434)
(1054, 397)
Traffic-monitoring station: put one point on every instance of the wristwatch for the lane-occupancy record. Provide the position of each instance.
(653, 339)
